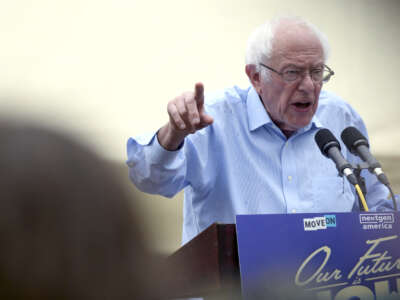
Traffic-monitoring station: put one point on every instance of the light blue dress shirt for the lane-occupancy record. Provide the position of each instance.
(244, 164)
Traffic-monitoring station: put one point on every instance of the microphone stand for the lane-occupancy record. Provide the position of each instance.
(361, 180)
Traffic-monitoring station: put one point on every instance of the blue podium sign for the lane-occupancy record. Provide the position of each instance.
(334, 256)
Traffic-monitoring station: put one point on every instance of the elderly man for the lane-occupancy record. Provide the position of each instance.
(250, 151)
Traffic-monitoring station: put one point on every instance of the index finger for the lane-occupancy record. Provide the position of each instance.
(199, 94)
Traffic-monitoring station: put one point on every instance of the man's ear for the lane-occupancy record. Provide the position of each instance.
(254, 77)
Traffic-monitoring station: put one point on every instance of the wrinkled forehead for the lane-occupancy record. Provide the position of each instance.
(296, 40)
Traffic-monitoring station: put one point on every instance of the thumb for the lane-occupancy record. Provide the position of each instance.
(205, 119)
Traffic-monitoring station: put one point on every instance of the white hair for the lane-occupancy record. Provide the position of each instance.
(259, 45)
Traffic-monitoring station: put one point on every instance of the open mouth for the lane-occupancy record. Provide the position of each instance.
(302, 105)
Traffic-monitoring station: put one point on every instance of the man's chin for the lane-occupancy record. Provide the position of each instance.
(298, 125)
(294, 124)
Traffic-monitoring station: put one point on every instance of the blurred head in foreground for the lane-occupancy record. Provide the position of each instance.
(67, 228)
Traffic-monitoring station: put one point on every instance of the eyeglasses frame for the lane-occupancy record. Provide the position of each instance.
(324, 80)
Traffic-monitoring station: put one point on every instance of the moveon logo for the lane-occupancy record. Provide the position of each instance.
(319, 222)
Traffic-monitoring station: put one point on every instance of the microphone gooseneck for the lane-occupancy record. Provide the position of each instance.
(358, 145)
(356, 142)
(330, 147)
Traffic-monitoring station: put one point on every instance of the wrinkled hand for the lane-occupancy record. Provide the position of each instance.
(186, 112)
(186, 115)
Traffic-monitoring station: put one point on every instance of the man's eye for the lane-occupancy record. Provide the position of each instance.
(317, 71)
(292, 72)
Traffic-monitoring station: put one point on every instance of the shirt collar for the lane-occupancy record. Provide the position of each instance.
(258, 116)
(315, 123)
(256, 113)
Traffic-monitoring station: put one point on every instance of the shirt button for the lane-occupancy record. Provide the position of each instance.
(289, 178)
(293, 211)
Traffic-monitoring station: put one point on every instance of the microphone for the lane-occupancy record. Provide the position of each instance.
(330, 147)
(358, 144)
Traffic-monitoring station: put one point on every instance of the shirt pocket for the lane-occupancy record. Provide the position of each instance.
(332, 194)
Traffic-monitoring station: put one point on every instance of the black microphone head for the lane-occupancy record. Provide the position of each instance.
(353, 138)
(325, 140)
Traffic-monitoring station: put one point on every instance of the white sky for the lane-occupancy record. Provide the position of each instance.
(106, 69)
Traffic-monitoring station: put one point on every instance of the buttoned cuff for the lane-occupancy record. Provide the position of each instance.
(149, 146)
(162, 155)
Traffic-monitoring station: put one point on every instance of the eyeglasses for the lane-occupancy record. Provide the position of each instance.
(318, 75)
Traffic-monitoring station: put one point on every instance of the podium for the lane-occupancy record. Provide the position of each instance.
(292, 256)
(207, 266)
(324, 256)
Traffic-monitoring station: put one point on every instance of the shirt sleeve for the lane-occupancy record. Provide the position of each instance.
(154, 169)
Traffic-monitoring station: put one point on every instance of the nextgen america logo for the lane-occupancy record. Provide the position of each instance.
(318, 223)
(373, 221)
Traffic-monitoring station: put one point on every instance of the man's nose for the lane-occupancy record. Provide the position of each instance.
(306, 84)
